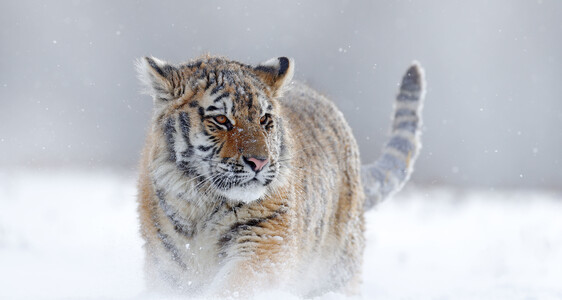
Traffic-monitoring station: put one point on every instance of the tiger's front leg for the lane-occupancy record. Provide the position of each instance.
(254, 259)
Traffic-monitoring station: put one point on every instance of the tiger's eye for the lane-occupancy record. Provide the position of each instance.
(221, 119)
(263, 119)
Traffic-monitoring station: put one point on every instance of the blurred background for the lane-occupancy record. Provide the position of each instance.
(493, 113)
(479, 220)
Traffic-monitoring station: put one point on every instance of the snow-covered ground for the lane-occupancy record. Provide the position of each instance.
(74, 234)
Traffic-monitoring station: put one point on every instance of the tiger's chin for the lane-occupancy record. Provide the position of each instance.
(246, 194)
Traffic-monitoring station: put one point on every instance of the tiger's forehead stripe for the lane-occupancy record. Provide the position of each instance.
(242, 100)
(246, 94)
(231, 89)
(219, 98)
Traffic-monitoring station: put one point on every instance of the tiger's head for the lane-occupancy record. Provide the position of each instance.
(218, 122)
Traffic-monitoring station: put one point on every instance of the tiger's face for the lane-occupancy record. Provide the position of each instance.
(220, 123)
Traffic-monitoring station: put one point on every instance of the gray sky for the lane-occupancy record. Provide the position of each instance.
(69, 94)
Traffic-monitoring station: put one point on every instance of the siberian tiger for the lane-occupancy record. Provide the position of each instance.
(251, 182)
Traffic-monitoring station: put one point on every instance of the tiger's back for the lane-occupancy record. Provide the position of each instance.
(330, 198)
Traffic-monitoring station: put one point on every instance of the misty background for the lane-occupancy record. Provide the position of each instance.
(481, 215)
(69, 96)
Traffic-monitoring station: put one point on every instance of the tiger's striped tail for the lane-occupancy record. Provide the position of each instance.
(393, 168)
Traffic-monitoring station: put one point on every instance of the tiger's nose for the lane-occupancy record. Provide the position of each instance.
(256, 163)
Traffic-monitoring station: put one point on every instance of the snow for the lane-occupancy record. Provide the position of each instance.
(74, 234)
(442, 244)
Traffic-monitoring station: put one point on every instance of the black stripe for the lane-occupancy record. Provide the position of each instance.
(187, 168)
(194, 65)
(216, 89)
(209, 157)
(249, 96)
(216, 210)
(210, 80)
(406, 96)
(283, 65)
(168, 244)
(185, 126)
(204, 148)
(237, 227)
(177, 222)
(269, 125)
(250, 101)
(221, 96)
(169, 131)
(412, 80)
(199, 74)
(401, 144)
(410, 126)
(227, 76)
(162, 71)
(188, 152)
(201, 112)
(205, 132)
(405, 112)
(212, 108)
(221, 203)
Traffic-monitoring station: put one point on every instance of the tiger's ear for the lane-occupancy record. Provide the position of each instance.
(276, 72)
(157, 77)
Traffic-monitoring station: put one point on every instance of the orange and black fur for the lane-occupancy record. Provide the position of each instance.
(251, 182)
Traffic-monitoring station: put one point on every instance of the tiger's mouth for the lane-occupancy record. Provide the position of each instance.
(247, 192)
(240, 183)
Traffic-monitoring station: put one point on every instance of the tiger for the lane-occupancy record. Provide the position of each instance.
(250, 181)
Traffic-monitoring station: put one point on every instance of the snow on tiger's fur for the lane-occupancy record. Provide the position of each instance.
(250, 182)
